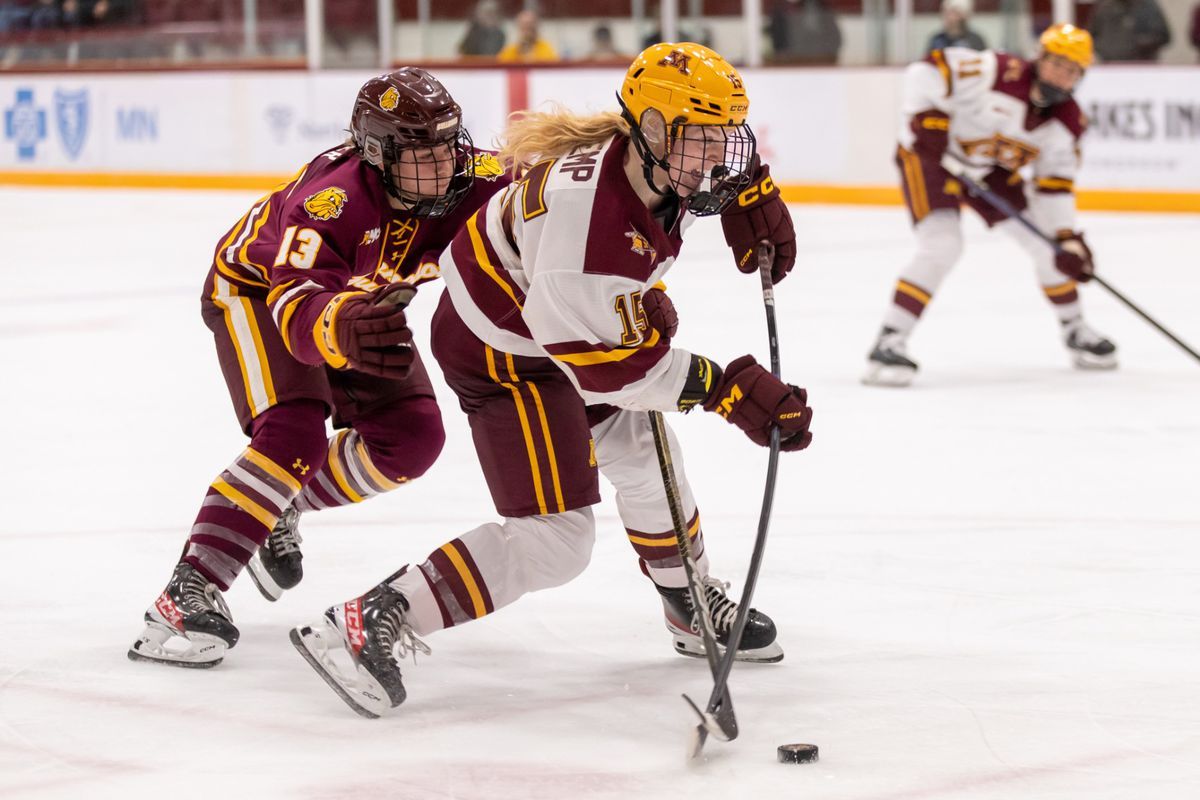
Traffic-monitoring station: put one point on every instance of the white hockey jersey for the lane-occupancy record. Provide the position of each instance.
(992, 122)
(556, 265)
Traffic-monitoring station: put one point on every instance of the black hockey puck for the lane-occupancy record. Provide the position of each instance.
(797, 753)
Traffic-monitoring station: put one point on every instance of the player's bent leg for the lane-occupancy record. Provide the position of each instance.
(627, 458)
(385, 449)
(357, 645)
(1087, 348)
(939, 246)
(189, 624)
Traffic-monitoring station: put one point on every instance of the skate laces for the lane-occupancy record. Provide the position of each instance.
(200, 594)
(723, 609)
(398, 637)
(285, 537)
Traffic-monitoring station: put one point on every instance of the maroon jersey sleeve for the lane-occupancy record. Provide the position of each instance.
(319, 227)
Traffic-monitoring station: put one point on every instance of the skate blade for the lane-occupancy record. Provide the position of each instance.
(1089, 361)
(362, 693)
(158, 645)
(694, 648)
(262, 579)
(888, 375)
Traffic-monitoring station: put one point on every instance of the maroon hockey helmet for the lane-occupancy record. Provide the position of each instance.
(410, 110)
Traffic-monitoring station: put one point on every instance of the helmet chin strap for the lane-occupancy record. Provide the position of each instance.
(649, 161)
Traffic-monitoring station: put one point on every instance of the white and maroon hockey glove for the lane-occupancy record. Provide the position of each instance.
(1074, 258)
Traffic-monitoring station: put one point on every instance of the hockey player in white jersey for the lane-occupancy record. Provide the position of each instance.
(1014, 125)
(555, 339)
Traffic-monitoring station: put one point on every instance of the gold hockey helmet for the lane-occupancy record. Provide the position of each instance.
(687, 83)
(1070, 42)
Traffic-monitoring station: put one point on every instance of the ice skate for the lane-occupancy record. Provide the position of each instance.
(758, 640)
(889, 364)
(189, 625)
(1088, 349)
(355, 648)
(275, 567)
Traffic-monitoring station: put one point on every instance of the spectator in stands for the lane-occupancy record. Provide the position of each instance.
(484, 36)
(602, 45)
(702, 36)
(13, 16)
(955, 31)
(1195, 32)
(804, 32)
(528, 46)
(45, 14)
(1129, 30)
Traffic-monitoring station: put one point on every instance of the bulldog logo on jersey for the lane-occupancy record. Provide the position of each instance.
(389, 99)
(326, 204)
(640, 244)
(488, 166)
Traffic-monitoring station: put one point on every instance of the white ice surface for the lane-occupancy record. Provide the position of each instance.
(987, 585)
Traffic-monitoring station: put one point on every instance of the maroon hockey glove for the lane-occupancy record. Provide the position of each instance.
(931, 132)
(1008, 185)
(1074, 258)
(660, 312)
(369, 332)
(755, 400)
(760, 215)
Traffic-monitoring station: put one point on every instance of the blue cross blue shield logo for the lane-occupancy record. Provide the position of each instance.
(25, 124)
(71, 117)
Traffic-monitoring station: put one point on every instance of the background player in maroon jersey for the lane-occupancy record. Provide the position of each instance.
(306, 300)
(544, 335)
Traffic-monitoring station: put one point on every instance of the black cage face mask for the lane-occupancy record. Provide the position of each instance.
(710, 165)
(450, 163)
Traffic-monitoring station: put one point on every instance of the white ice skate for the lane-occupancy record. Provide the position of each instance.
(355, 649)
(189, 625)
(889, 364)
(1088, 349)
(758, 644)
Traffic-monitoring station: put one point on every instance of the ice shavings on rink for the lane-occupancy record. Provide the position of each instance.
(987, 585)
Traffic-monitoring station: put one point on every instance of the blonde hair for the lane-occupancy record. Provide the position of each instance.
(533, 136)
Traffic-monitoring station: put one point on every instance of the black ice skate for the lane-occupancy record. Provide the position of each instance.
(758, 640)
(889, 364)
(275, 567)
(1088, 349)
(189, 624)
(355, 648)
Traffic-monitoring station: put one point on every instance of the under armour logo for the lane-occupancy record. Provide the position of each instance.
(301, 466)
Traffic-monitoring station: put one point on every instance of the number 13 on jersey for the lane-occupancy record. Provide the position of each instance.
(307, 244)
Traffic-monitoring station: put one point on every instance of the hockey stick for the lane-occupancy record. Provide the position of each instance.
(710, 719)
(1004, 207)
(726, 723)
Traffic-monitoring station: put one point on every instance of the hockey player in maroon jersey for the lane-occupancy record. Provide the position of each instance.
(993, 115)
(556, 342)
(306, 301)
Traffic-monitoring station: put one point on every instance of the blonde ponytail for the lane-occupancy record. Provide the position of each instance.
(533, 136)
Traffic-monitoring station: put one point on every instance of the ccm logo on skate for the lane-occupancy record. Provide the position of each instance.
(725, 407)
(354, 625)
(170, 612)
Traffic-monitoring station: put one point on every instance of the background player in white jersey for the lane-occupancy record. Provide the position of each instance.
(544, 336)
(1001, 119)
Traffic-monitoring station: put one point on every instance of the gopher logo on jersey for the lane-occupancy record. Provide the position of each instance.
(389, 99)
(1008, 153)
(487, 166)
(326, 204)
(640, 244)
